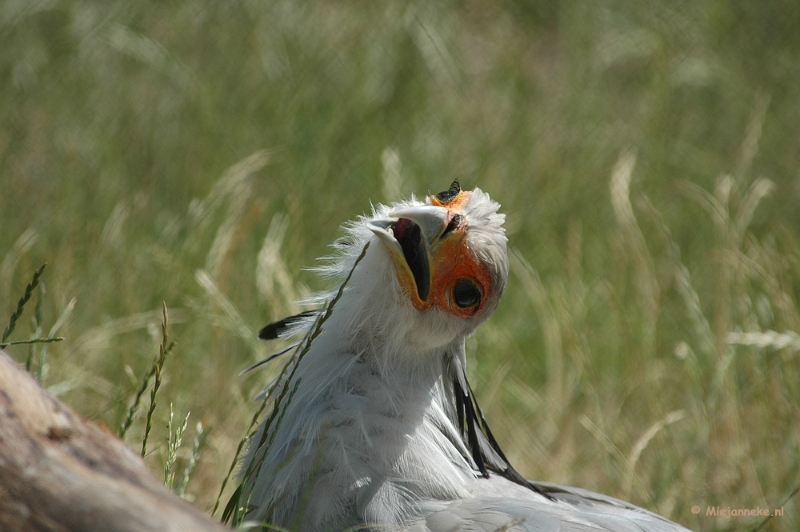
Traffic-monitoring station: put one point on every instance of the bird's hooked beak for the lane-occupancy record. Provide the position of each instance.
(434, 264)
(408, 235)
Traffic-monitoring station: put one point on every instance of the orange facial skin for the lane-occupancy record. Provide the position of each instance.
(450, 260)
(453, 260)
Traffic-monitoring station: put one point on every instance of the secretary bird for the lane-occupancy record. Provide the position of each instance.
(373, 425)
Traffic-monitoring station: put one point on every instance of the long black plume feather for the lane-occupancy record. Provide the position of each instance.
(471, 420)
(275, 329)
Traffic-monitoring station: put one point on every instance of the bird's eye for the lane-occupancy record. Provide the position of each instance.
(466, 293)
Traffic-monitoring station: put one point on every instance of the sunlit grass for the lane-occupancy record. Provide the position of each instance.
(201, 155)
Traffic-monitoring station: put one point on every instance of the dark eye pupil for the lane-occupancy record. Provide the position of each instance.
(466, 294)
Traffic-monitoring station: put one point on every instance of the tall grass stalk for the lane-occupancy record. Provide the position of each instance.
(237, 507)
(12, 322)
(198, 444)
(174, 442)
(158, 365)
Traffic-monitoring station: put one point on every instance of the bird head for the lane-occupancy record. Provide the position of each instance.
(449, 259)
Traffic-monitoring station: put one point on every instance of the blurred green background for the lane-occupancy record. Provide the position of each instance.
(647, 155)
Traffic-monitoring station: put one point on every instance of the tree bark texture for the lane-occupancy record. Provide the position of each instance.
(59, 472)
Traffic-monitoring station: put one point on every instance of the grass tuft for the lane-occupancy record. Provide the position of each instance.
(36, 326)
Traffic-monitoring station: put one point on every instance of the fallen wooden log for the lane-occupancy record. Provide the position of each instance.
(59, 472)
